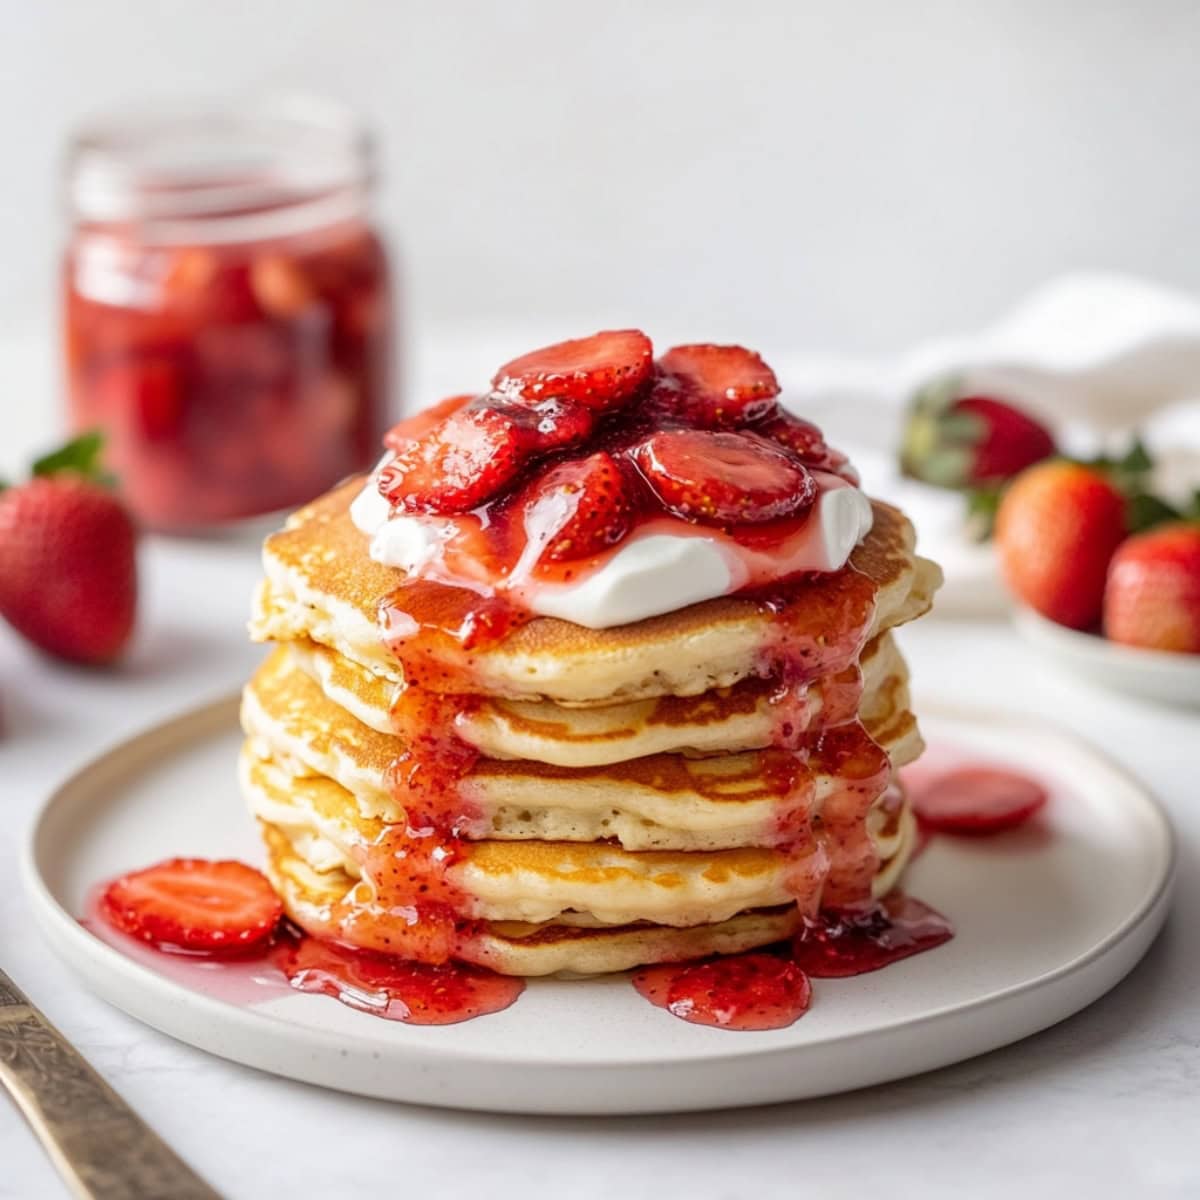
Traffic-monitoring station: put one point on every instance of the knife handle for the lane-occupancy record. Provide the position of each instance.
(101, 1147)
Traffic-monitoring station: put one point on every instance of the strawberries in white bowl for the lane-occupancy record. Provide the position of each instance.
(1108, 575)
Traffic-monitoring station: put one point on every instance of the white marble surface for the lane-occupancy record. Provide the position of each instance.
(1105, 1103)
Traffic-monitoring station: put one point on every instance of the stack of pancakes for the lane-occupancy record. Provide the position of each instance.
(627, 796)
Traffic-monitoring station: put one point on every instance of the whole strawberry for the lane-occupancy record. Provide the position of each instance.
(970, 441)
(1056, 531)
(1152, 598)
(68, 571)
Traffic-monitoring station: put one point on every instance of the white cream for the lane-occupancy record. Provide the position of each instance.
(667, 565)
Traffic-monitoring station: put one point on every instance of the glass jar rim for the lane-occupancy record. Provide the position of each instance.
(216, 162)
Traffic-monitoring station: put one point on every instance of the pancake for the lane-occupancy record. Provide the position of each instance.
(321, 585)
(658, 802)
(543, 908)
(743, 717)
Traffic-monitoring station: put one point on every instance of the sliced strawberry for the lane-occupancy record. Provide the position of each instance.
(195, 905)
(579, 508)
(801, 437)
(721, 385)
(724, 478)
(553, 424)
(473, 454)
(977, 801)
(602, 371)
(419, 424)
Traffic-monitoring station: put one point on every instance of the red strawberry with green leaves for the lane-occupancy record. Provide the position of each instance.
(1152, 597)
(579, 508)
(602, 372)
(724, 478)
(1056, 529)
(68, 566)
(957, 441)
(220, 909)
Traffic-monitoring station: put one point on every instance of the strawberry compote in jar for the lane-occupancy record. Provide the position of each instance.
(227, 313)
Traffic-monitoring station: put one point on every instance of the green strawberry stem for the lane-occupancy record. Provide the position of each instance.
(80, 456)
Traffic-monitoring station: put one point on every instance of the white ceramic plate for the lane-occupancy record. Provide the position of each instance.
(1048, 919)
(1152, 674)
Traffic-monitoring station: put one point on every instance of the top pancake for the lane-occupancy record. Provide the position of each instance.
(322, 584)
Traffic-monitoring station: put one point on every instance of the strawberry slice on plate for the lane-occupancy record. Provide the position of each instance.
(724, 478)
(195, 905)
(976, 801)
(456, 466)
(602, 371)
(580, 508)
(721, 385)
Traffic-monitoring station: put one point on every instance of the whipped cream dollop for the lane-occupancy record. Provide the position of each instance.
(664, 565)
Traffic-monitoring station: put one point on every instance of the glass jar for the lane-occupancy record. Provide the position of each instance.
(227, 310)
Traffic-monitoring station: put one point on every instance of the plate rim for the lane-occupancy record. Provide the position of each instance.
(75, 945)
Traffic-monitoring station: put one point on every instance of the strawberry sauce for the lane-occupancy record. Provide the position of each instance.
(771, 989)
(385, 986)
(742, 991)
(849, 942)
(379, 984)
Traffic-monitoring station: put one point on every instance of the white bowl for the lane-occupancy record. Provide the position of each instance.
(1154, 674)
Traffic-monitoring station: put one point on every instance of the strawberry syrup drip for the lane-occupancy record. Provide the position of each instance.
(841, 943)
(820, 627)
(414, 992)
(416, 909)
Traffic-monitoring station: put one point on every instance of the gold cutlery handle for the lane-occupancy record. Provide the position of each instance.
(102, 1148)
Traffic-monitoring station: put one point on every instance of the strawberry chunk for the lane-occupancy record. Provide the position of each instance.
(977, 801)
(460, 463)
(553, 424)
(724, 478)
(419, 424)
(195, 905)
(801, 437)
(721, 385)
(602, 371)
(580, 508)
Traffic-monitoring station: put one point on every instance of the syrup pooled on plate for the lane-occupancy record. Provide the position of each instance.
(382, 985)
(742, 991)
(385, 986)
(760, 990)
(838, 944)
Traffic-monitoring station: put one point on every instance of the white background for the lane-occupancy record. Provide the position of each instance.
(846, 176)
